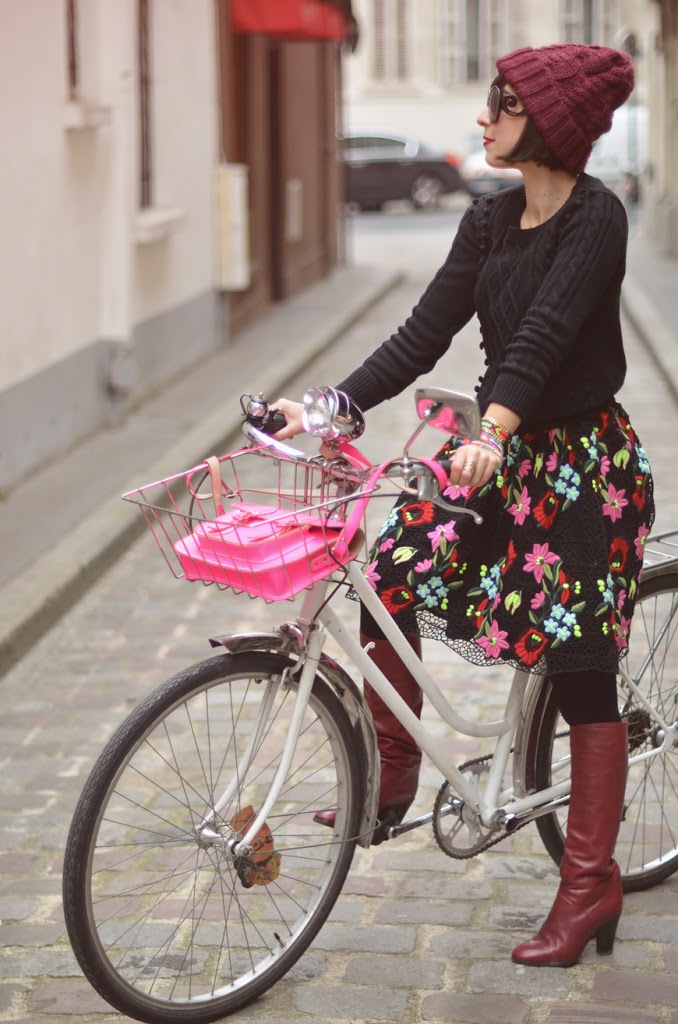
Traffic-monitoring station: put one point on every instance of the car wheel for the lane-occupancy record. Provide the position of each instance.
(425, 191)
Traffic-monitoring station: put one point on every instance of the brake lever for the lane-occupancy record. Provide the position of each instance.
(441, 503)
(457, 509)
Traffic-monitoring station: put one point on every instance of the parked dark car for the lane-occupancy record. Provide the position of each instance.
(479, 178)
(382, 166)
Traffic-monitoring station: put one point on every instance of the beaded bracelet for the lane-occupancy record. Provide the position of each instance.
(494, 437)
(496, 429)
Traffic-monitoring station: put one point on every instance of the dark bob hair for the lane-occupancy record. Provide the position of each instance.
(531, 145)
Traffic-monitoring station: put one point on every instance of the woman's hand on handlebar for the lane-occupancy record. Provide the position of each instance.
(292, 412)
(472, 466)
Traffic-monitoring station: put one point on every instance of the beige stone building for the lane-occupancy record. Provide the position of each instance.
(661, 173)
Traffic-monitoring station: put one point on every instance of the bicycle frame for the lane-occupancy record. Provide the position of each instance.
(495, 806)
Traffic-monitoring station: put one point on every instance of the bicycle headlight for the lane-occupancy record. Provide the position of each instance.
(331, 415)
(317, 415)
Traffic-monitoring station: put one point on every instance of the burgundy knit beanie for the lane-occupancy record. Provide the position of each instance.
(570, 92)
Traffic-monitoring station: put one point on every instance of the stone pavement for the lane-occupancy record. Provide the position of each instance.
(416, 937)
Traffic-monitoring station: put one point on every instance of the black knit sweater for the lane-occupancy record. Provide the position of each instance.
(547, 299)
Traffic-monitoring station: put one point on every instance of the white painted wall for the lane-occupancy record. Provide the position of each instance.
(70, 267)
(50, 198)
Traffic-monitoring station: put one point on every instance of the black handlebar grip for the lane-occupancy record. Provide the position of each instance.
(446, 465)
(273, 422)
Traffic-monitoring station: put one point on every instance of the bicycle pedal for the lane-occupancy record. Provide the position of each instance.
(392, 817)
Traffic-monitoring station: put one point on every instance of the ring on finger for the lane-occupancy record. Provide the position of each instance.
(470, 465)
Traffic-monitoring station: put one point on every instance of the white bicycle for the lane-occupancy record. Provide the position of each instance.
(195, 875)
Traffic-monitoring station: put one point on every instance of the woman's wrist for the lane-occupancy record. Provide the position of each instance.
(494, 437)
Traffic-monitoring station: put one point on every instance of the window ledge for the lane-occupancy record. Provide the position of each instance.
(154, 223)
(80, 115)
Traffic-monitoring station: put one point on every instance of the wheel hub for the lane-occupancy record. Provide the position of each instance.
(258, 864)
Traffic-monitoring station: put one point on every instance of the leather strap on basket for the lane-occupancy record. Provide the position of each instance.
(214, 467)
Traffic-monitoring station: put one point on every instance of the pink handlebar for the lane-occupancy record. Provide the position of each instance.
(355, 517)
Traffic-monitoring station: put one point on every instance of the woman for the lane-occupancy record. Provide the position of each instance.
(548, 583)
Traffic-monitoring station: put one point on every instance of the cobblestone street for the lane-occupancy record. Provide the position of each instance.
(416, 936)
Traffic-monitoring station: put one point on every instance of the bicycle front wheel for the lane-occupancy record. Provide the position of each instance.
(167, 924)
(647, 847)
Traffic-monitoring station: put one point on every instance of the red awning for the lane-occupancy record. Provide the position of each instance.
(291, 19)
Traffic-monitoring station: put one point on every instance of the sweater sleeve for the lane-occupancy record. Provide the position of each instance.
(591, 251)
(445, 307)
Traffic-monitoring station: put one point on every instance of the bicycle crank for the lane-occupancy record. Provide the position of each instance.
(457, 828)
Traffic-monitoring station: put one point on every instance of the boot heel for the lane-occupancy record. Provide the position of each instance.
(605, 936)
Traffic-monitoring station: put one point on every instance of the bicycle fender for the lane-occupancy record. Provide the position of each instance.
(351, 698)
(524, 744)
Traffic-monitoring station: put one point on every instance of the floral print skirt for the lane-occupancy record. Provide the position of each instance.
(548, 581)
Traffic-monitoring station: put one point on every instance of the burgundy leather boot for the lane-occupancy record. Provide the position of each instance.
(589, 899)
(399, 754)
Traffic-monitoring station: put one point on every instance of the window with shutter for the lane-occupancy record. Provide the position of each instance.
(390, 54)
(571, 16)
(497, 34)
(588, 21)
(472, 34)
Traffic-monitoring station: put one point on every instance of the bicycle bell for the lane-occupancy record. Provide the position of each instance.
(256, 408)
(331, 415)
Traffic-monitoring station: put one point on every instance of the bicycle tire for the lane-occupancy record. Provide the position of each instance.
(165, 927)
(647, 848)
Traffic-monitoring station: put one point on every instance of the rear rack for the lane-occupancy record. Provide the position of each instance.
(661, 549)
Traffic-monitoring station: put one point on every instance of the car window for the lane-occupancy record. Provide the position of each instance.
(374, 142)
(356, 142)
(383, 142)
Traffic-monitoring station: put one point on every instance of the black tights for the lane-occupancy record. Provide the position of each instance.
(587, 696)
(583, 697)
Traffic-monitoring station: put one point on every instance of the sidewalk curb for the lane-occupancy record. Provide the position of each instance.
(653, 332)
(34, 601)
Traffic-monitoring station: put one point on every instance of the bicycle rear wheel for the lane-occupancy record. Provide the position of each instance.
(166, 923)
(647, 847)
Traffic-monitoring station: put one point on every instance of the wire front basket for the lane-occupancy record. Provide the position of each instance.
(217, 524)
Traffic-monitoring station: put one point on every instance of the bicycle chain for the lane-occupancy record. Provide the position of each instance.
(438, 803)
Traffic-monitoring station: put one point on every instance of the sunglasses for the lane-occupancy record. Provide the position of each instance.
(498, 101)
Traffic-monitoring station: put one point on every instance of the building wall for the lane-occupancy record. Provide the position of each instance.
(184, 143)
(51, 190)
(174, 304)
(112, 288)
(660, 184)
(102, 302)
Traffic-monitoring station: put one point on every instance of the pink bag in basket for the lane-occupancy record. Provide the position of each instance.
(265, 551)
